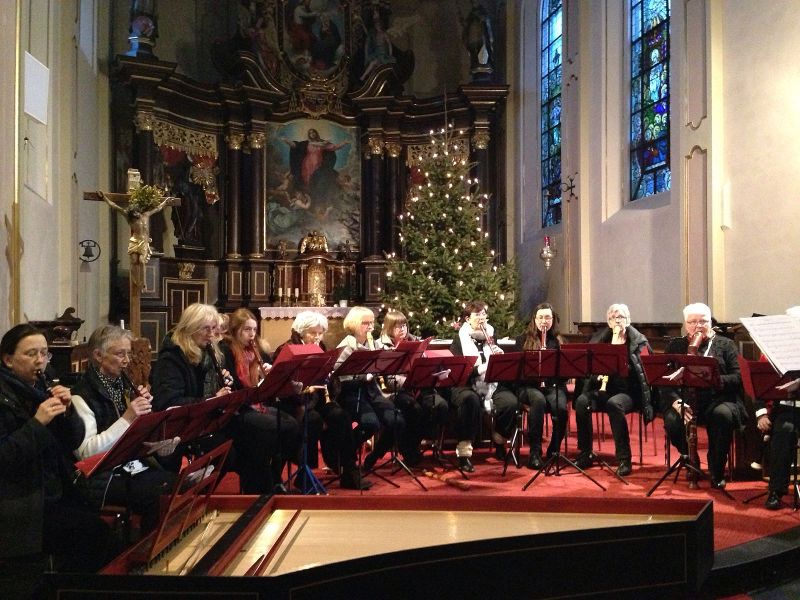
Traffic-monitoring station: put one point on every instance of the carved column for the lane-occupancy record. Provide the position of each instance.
(146, 162)
(395, 189)
(374, 209)
(234, 201)
(256, 216)
(480, 156)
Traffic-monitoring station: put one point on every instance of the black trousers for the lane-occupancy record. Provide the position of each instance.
(783, 446)
(616, 406)
(719, 420)
(468, 413)
(552, 399)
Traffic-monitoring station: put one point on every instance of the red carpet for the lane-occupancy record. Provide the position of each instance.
(734, 522)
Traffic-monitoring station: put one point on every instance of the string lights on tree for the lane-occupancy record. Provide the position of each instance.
(445, 259)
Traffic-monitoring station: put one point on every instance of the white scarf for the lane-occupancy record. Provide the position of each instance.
(470, 348)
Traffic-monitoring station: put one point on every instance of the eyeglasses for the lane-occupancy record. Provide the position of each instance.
(122, 354)
(696, 322)
(370, 323)
(206, 329)
(618, 318)
(33, 353)
(544, 318)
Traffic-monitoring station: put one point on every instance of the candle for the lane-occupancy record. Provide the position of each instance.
(296, 292)
(547, 240)
(280, 292)
(122, 324)
(288, 292)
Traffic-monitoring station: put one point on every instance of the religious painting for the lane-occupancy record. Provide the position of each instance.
(313, 182)
(314, 36)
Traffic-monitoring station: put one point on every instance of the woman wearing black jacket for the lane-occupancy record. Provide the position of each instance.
(40, 509)
(614, 394)
(549, 395)
(185, 374)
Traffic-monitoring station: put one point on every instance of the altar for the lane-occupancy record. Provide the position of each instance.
(276, 323)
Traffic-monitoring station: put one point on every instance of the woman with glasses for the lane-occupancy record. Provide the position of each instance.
(548, 395)
(328, 424)
(108, 405)
(614, 394)
(425, 410)
(186, 373)
(476, 338)
(41, 511)
(362, 395)
(720, 411)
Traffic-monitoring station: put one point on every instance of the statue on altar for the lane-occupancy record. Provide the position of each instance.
(314, 241)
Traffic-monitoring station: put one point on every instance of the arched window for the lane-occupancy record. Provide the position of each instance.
(650, 156)
(550, 73)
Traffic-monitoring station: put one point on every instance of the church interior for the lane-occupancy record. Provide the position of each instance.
(626, 151)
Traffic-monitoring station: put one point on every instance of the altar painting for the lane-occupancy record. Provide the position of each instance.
(313, 182)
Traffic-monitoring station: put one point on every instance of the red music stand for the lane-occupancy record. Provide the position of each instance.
(690, 373)
(382, 363)
(440, 369)
(760, 381)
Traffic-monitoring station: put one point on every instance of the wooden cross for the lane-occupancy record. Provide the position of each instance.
(139, 250)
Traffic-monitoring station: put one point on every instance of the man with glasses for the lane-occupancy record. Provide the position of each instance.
(614, 394)
(719, 410)
(108, 404)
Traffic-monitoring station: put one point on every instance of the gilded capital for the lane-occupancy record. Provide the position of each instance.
(480, 139)
(144, 121)
(235, 141)
(394, 149)
(376, 145)
(257, 140)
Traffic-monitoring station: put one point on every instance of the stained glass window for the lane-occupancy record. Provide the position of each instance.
(650, 172)
(550, 72)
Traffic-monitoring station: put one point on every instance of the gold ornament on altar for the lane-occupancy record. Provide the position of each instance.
(314, 241)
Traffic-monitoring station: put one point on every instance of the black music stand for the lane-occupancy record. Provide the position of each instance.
(688, 373)
(573, 360)
(440, 372)
(760, 381)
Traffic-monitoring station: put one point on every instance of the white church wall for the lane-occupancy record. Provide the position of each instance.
(758, 184)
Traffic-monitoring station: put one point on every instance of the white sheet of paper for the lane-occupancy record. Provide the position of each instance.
(778, 337)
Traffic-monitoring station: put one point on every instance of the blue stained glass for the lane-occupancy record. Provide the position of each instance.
(550, 122)
(650, 152)
(636, 21)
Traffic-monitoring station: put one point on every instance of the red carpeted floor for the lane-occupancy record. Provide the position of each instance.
(734, 521)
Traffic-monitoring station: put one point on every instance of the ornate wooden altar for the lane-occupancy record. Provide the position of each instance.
(296, 137)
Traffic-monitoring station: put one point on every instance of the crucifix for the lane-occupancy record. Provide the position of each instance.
(139, 250)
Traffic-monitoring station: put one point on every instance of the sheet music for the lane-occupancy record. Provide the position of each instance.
(778, 337)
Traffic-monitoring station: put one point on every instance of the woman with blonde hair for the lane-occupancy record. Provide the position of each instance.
(186, 373)
(360, 395)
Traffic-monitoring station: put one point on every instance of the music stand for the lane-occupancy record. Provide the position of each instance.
(760, 381)
(571, 360)
(520, 367)
(689, 373)
(309, 365)
(440, 371)
(375, 363)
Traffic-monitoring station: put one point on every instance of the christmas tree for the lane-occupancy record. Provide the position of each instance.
(445, 259)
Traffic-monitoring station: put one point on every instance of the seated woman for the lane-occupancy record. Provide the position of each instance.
(360, 395)
(41, 511)
(425, 410)
(108, 404)
(720, 411)
(328, 423)
(614, 394)
(185, 373)
(549, 395)
(475, 338)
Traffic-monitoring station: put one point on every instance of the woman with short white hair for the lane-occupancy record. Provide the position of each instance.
(720, 410)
